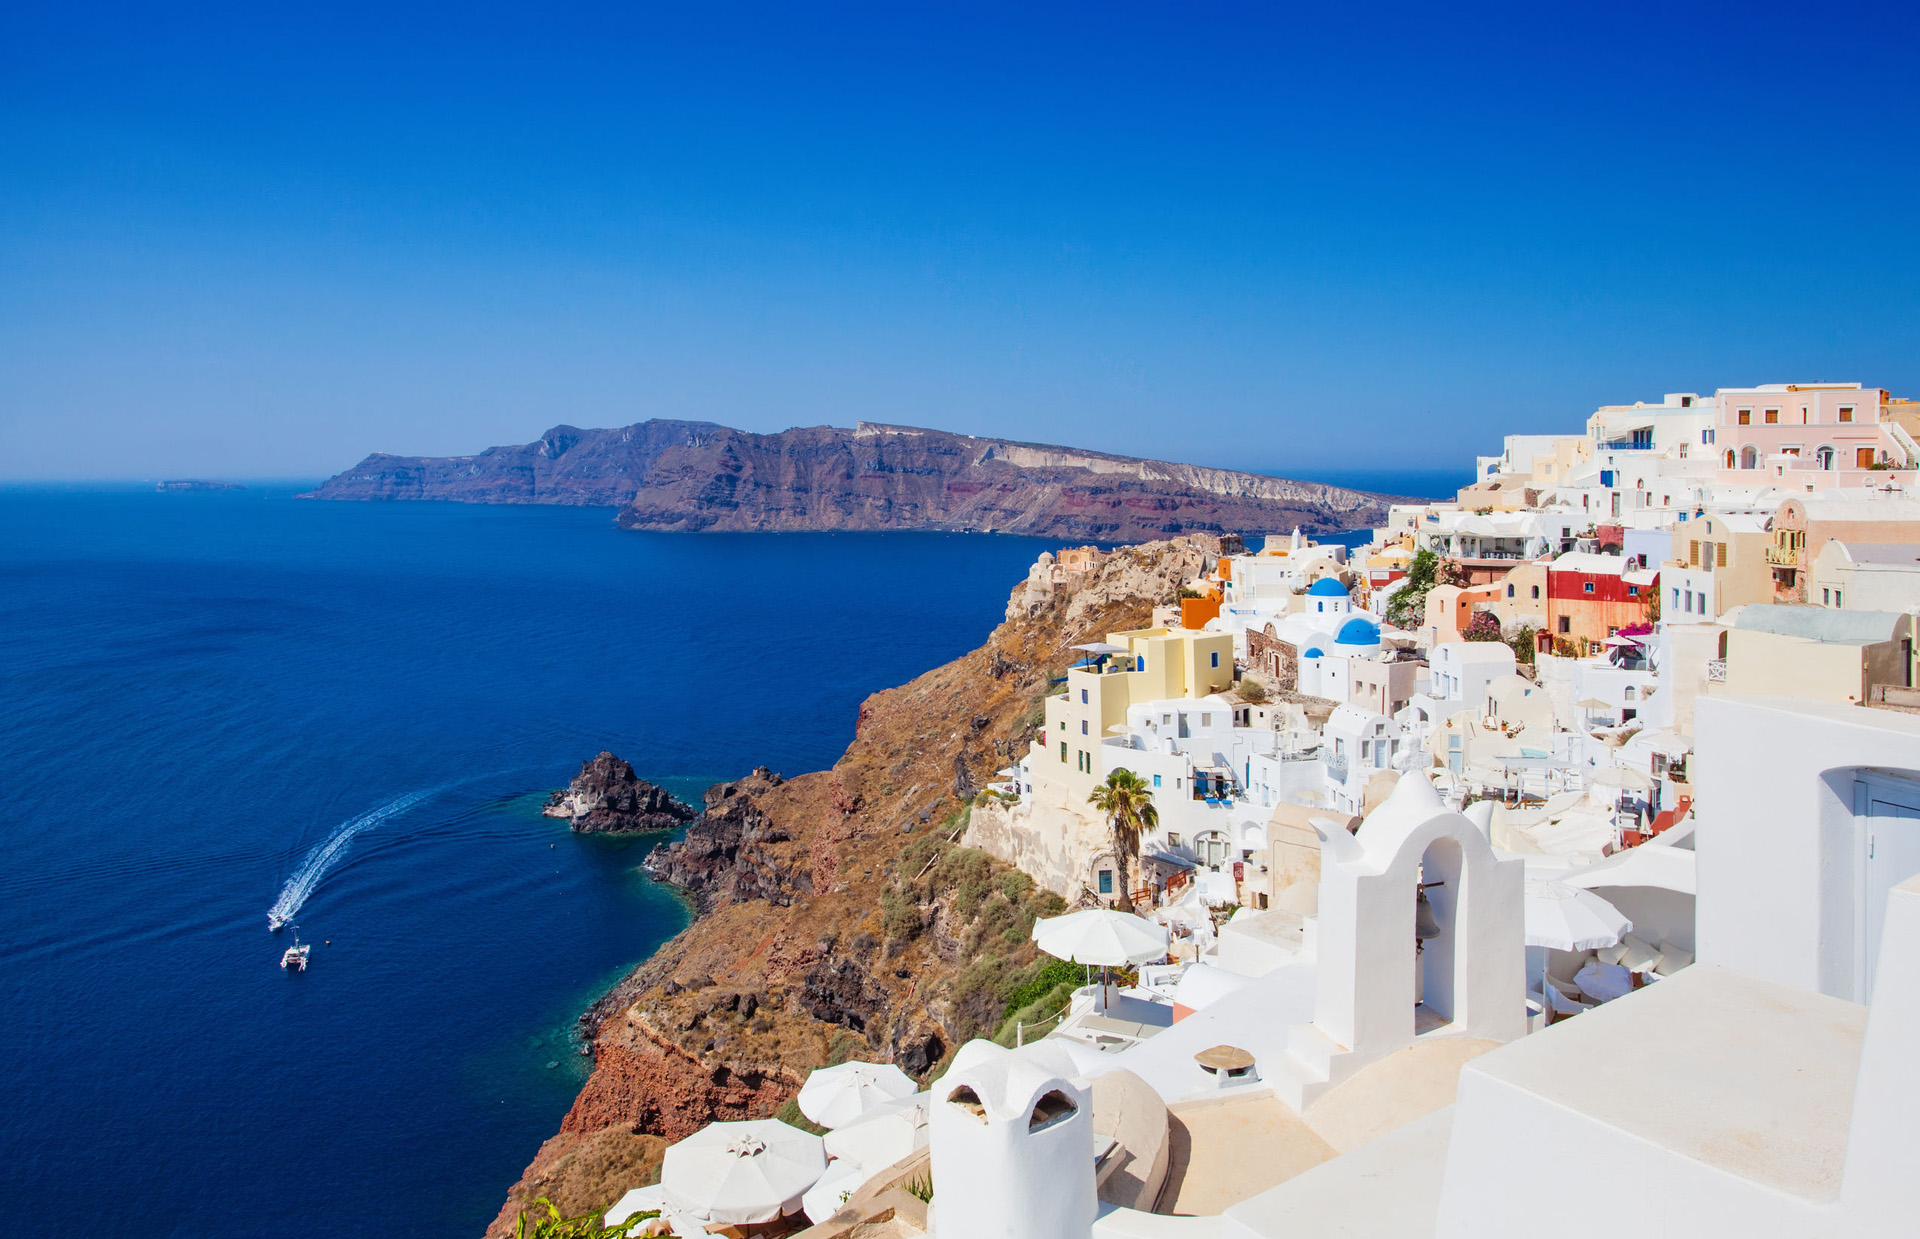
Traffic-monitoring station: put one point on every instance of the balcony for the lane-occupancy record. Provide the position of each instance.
(1336, 765)
(1783, 557)
(1717, 671)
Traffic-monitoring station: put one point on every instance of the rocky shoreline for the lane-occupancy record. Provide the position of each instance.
(836, 916)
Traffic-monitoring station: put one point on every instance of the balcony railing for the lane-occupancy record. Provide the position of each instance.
(1336, 767)
(1717, 671)
(1783, 557)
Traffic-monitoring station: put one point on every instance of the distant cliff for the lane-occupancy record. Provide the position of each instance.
(684, 476)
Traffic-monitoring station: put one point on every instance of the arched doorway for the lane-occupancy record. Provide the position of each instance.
(1749, 457)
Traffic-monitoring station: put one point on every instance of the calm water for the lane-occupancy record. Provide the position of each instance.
(196, 691)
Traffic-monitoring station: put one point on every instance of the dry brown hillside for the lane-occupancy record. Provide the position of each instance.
(837, 919)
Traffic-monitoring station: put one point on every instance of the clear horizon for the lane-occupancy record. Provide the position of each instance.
(253, 244)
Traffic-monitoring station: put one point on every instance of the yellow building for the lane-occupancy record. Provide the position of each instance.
(1146, 664)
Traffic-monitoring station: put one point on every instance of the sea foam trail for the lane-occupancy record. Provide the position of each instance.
(328, 854)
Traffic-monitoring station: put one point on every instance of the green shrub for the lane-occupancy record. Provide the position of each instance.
(789, 1113)
(542, 1220)
(1251, 690)
(1041, 978)
(899, 918)
(1015, 885)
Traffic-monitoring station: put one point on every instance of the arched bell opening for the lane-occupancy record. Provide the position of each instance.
(1437, 954)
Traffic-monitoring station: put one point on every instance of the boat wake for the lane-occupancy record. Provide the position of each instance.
(328, 854)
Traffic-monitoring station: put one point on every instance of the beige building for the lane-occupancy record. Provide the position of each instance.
(1522, 600)
(1382, 687)
(1816, 652)
(1719, 563)
(1866, 576)
(1804, 525)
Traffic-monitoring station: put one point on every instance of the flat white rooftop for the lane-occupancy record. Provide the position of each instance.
(1747, 1076)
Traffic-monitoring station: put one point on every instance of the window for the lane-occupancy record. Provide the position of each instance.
(1836, 599)
(1826, 597)
(1823, 457)
(1746, 417)
(1536, 591)
(1063, 752)
(1629, 693)
(1773, 417)
(1083, 727)
(1683, 449)
(1707, 436)
(1566, 623)
(1140, 663)
(1633, 591)
(1846, 412)
(1083, 696)
(1156, 783)
(1215, 658)
(1720, 555)
(1173, 840)
(1509, 591)
(1863, 458)
(1676, 596)
(1206, 720)
(1693, 554)
(1587, 588)
(1749, 457)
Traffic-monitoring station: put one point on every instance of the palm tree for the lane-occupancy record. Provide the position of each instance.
(1128, 803)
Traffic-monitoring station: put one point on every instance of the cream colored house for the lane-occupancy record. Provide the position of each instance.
(1866, 576)
(1819, 653)
(1719, 563)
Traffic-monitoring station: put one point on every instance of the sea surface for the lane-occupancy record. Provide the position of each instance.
(199, 693)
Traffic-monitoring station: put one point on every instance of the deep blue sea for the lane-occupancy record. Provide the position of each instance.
(199, 690)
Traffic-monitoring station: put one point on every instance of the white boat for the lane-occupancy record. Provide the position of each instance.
(295, 960)
(275, 922)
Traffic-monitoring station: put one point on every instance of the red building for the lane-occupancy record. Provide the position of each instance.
(1592, 597)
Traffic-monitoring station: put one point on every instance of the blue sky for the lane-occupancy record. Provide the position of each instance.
(265, 240)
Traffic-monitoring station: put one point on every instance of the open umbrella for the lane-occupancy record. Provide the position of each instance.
(836, 1096)
(1566, 918)
(1101, 936)
(1625, 778)
(883, 1137)
(825, 1198)
(737, 1174)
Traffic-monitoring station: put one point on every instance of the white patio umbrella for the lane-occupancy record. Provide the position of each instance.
(1566, 918)
(883, 1137)
(836, 1096)
(1624, 778)
(737, 1174)
(1101, 936)
(824, 1198)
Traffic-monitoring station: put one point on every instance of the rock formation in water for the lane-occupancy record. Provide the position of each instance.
(685, 476)
(837, 917)
(176, 486)
(607, 797)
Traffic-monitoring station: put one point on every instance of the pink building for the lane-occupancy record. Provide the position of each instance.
(1811, 435)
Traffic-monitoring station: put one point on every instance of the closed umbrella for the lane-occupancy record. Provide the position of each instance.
(738, 1174)
(838, 1095)
(1566, 918)
(1101, 936)
(884, 1137)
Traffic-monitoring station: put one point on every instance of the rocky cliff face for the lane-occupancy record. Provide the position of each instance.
(674, 476)
(838, 918)
(607, 797)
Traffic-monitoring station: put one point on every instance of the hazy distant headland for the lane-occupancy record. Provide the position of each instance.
(687, 476)
(181, 485)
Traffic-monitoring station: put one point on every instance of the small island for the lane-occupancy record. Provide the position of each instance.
(607, 797)
(184, 485)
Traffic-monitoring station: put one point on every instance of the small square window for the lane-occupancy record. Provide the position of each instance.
(1566, 623)
(1846, 412)
(1773, 417)
(1587, 588)
(1746, 417)
(1156, 783)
